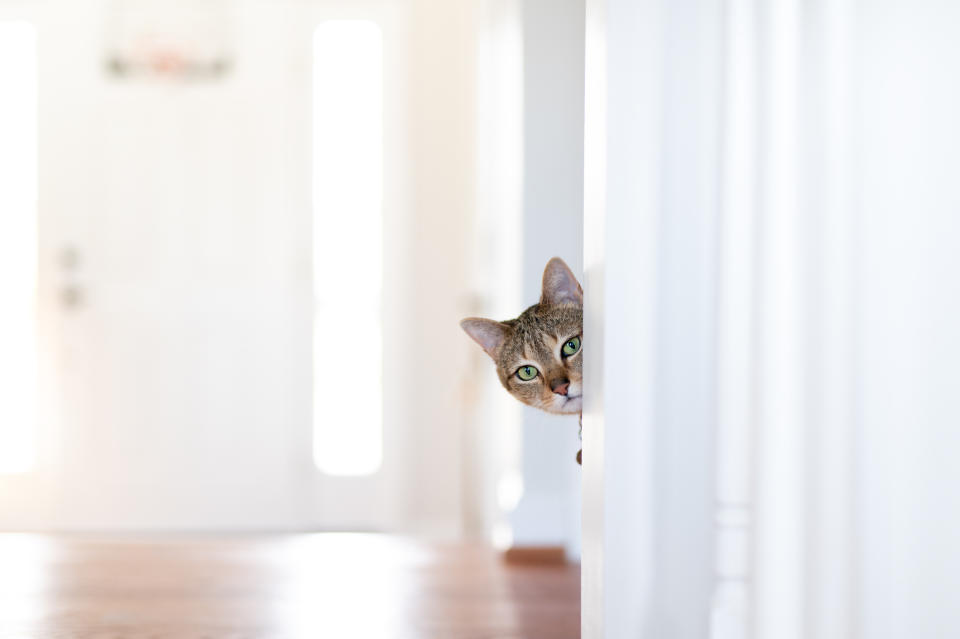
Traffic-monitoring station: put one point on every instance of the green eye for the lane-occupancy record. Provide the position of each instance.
(526, 373)
(572, 346)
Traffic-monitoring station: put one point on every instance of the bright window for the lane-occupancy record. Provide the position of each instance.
(18, 245)
(347, 240)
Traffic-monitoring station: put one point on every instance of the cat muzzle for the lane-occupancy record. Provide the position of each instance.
(560, 386)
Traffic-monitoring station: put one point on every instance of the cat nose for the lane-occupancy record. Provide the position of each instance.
(560, 386)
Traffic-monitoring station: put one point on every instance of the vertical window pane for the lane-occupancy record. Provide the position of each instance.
(18, 244)
(347, 263)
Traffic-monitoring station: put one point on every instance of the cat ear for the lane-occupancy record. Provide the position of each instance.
(485, 332)
(559, 284)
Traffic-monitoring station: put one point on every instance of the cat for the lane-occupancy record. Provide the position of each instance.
(539, 354)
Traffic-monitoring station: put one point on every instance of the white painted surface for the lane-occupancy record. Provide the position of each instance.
(828, 203)
(549, 511)
(184, 371)
(347, 171)
(780, 438)
(432, 266)
(495, 476)
(908, 341)
(736, 326)
(178, 394)
(18, 245)
(651, 212)
(837, 314)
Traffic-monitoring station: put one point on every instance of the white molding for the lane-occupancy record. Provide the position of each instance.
(780, 445)
(828, 204)
(736, 330)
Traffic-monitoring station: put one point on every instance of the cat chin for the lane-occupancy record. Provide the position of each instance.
(570, 406)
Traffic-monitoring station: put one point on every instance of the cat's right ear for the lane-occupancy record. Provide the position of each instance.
(485, 332)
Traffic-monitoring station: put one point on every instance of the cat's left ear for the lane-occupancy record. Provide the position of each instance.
(488, 333)
(559, 284)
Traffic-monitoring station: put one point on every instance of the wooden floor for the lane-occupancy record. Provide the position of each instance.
(337, 586)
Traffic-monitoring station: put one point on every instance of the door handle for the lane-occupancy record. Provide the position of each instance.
(71, 294)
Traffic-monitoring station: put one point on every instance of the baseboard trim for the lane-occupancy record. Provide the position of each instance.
(535, 556)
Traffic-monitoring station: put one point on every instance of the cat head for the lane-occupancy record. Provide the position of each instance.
(539, 354)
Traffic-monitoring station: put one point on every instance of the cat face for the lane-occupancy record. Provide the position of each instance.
(539, 354)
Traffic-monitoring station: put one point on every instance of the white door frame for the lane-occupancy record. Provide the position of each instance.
(620, 196)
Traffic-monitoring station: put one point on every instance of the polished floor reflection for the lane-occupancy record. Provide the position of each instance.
(334, 585)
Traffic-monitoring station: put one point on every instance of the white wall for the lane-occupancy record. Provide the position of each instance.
(819, 363)
(908, 319)
(435, 265)
(549, 513)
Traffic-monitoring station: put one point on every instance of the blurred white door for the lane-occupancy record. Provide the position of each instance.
(176, 295)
